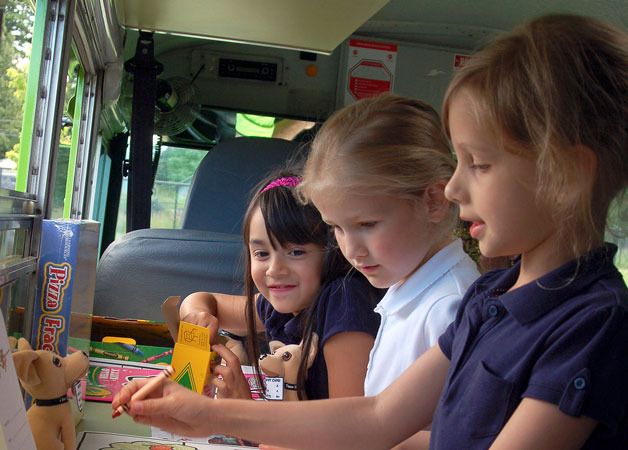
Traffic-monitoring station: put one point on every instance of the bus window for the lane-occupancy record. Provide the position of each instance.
(15, 50)
(19, 233)
(172, 180)
(616, 233)
(265, 126)
(62, 194)
(175, 169)
(176, 162)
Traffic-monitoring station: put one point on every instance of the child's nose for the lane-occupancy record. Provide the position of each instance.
(276, 267)
(353, 248)
(452, 190)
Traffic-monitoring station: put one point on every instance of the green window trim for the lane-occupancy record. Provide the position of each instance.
(74, 143)
(30, 102)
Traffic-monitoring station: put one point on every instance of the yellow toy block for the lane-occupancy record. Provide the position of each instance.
(191, 356)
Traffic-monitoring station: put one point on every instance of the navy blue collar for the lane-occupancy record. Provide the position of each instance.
(535, 299)
(284, 327)
(292, 327)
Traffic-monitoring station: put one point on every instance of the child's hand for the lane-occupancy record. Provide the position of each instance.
(232, 383)
(171, 407)
(202, 319)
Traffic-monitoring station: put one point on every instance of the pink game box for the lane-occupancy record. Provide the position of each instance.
(106, 377)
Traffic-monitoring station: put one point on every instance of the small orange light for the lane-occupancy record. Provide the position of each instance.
(311, 70)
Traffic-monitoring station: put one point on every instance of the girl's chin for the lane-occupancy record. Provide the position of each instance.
(493, 253)
(281, 307)
(378, 283)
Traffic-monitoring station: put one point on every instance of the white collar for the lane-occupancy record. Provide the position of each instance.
(401, 293)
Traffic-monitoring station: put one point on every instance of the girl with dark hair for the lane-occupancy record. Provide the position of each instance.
(298, 288)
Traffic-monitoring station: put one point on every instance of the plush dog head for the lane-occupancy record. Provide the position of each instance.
(46, 375)
(284, 359)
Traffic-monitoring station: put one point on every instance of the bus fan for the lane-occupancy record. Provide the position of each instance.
(175, 110)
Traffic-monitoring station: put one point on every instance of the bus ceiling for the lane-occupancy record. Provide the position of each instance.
(320, 26)
(193, 37)
(304, 25)
(197, 41)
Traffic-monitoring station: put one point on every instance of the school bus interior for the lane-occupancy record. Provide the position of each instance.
(152, 99)
(286, 60)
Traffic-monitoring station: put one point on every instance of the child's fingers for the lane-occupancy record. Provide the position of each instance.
(202, 319)
(230, 384)
(230, 358)
(124, 395)
(151, 407)
(231, 373)
(223, 371)
(223, 381)
(219, 383)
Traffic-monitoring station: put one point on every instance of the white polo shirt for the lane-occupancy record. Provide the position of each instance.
(416, 312)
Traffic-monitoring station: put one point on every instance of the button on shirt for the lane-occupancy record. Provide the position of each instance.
(416, 312)
(562, 339)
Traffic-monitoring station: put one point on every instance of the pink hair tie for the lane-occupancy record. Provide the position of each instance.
(283, 181)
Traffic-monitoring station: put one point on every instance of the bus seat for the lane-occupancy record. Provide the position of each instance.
(222, 183)
(144, 267)
(138, 271)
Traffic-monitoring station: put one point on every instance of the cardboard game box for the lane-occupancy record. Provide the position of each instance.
(131, 352)
(66, 281)
(106, 377)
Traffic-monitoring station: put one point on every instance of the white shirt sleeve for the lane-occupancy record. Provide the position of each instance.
(438, 318)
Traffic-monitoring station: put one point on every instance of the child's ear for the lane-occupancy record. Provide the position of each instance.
(435, 201)
(588, 160)
(582, 175)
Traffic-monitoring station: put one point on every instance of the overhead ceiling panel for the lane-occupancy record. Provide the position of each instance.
(316, 26)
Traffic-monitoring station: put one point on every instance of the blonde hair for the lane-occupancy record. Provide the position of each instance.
(388, 145)
(555, 86)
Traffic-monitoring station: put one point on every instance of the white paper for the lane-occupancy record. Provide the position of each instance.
(15, 431)
(92, 440)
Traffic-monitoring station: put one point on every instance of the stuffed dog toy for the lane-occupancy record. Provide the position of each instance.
(284, 362)
(47, 377)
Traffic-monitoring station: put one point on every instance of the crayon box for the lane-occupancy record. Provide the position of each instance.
(122, 352)
(66, 280)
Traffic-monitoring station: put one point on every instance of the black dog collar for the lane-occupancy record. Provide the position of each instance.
(52, 401)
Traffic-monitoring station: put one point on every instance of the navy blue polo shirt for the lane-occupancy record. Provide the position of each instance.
(562, 339)
(344, 304)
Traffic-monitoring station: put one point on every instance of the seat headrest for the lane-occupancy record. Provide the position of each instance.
(142, 268)
(223, 181)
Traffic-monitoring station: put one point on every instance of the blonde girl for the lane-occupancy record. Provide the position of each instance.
(377, 172)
